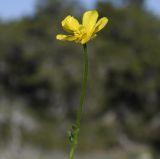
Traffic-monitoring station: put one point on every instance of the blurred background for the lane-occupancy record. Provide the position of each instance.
(40, 81)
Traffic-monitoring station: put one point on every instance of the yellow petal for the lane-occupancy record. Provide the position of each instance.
(70, 24)
(85, 40)
(65, 37)
(90, 19)
(101, 24)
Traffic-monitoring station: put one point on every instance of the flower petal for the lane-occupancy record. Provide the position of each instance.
(85, 40)
(70, 24)
(100, 24)
(65, 37)
(89, 19)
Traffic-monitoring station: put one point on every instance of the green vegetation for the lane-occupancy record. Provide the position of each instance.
(123, 98)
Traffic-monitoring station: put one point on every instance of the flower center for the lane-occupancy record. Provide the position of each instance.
(80, 33)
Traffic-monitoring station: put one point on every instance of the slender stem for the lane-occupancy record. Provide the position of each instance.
(73, 137)
(84, 86)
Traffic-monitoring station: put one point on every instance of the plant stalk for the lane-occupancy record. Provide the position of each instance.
(74, 134)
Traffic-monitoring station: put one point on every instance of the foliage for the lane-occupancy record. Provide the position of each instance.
(124, 89)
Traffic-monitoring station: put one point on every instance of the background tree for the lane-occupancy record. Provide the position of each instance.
(123, 98)
(136, 3)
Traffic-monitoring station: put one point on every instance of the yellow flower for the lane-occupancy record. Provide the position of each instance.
(82, 33)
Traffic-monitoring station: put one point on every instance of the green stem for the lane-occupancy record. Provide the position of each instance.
(73, 137)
